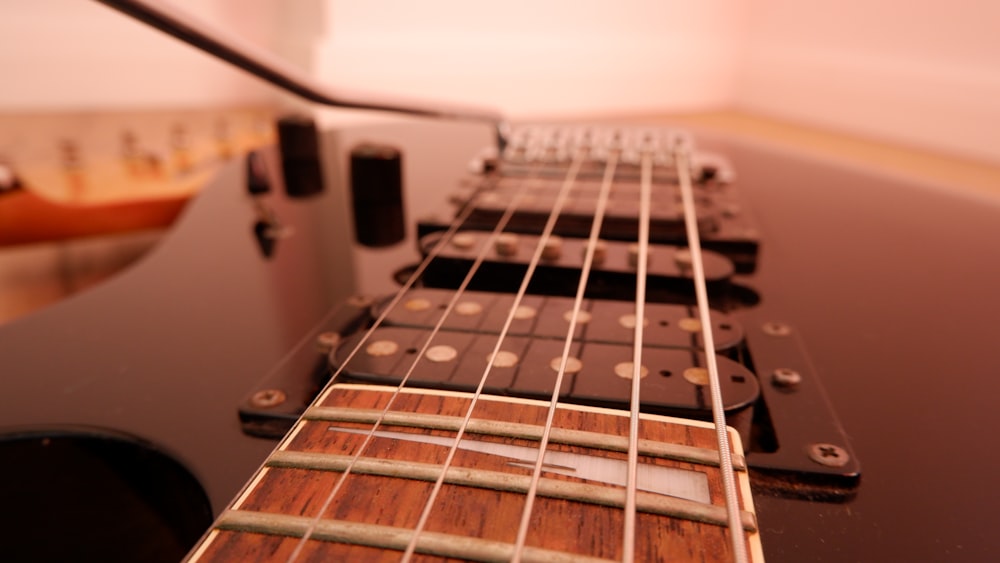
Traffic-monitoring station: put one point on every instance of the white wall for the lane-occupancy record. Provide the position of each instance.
(923, 72)
(535, 58)
(81, 55)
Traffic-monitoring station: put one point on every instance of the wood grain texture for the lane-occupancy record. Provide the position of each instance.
(570, 526)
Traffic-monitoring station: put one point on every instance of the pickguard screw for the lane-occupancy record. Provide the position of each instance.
(785, 377)
(776, 329)
(360, 301)
(266, 398)
(828, 455)
(327, 341)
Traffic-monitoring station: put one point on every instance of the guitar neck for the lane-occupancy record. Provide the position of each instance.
(578, 514)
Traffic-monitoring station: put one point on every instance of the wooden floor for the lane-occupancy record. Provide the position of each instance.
(33, 276)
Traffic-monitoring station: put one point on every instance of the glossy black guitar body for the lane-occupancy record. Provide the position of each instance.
(887, 285)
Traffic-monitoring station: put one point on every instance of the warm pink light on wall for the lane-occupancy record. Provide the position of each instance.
(923, 73)
(540, 58)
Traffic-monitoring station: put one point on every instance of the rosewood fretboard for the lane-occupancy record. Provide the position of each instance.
(477, 513)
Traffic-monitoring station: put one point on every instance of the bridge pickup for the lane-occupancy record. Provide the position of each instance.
(612, 276)
(620, 219)
(723, 223)
(612, 322)
(674, 381)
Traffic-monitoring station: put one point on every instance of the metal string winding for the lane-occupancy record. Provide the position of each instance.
(642, 263)
(718, 414)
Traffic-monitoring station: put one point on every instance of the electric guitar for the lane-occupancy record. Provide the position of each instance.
(879, 287)
(165, 361)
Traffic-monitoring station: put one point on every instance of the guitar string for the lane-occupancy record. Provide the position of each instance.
(563, 194)
(642, 263)
(431, 255)
(596, 225)
(445, 239)
(715, 389)
(737, 542)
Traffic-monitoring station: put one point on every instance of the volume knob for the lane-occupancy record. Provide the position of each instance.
(377, 194)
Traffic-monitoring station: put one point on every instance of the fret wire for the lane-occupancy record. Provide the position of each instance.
(530, 432)
(603, 494)
(595, 230)
(445, 239)
(642, 263)
(561, 198)
(718, 414)
(433, 544)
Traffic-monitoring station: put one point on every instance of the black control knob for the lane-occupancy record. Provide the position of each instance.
(377, 194)
(300, 158)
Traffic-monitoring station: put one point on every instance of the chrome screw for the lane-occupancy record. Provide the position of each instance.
(266, 398)
(327, 341)
(785, 377)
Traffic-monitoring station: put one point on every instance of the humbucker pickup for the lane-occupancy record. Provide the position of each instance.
(532, 169)
(674, 381)
(612, 322)
(612, 275)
